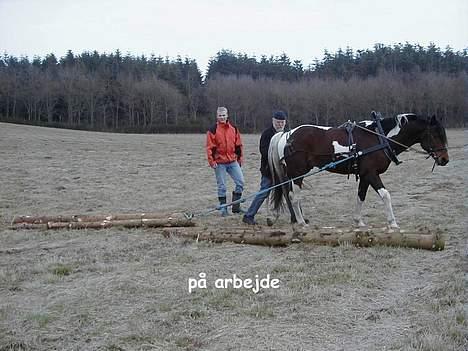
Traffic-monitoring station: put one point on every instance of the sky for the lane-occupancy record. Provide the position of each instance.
(199, 29)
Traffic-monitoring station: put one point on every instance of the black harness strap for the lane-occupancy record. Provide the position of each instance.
(353, 166)
(371, 149)
(389, 152)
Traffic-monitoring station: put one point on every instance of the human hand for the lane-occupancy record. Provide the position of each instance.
(214, 165)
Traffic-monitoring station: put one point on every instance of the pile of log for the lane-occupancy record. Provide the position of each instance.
(175, 225)
(150, 220)
(422, 238)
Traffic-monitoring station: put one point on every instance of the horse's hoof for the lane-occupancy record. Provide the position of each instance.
(295, 238)
(359, 223)
(300, 227)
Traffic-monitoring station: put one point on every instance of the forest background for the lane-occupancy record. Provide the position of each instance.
(125, 93)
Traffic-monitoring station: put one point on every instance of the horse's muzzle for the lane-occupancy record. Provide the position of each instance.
(440, 156)
(442, 160)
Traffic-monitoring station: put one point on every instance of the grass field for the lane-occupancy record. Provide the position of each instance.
(121, 289)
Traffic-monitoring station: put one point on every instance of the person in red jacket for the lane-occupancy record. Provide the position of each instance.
(224, 154)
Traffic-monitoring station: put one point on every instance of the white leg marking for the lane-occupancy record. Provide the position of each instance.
(295, 197)
(385, 195)
(357, 214)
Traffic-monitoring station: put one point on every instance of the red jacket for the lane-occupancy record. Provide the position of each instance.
(223, 144)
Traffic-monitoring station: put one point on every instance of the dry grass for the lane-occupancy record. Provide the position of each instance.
(128, 289)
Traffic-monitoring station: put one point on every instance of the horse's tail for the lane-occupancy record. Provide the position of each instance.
(277, 173)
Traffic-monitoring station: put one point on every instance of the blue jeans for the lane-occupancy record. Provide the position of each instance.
(234, 170)
(257, 202)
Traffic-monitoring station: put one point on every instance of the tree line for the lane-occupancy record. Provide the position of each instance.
(126, 93)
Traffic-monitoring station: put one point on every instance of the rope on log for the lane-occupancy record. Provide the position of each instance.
(425, 239)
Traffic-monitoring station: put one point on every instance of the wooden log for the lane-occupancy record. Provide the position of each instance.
(42, 219)
(128, 223)
(96, 218)
(38, 226)
(167, 222)
(130, 216)
(79, 225)
(269, 237)
(428, 241)
(321, 236)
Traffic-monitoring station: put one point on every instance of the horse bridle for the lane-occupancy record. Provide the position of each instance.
(431, 151)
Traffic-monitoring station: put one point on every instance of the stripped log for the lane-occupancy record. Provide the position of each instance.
(39, 226)
(178, 220)
(269, 237)
(128, 223)
(94, 218)
(323, 236)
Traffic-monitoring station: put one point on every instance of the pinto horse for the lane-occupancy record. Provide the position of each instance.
(373, 145)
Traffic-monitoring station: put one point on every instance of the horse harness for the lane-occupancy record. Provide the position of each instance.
(383, 144)
(389, 152)
(353, 167)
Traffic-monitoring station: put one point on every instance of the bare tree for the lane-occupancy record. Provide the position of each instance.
(69, 86)
(92, 89)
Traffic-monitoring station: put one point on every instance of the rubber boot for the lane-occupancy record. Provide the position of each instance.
(248, 220)
(236, 207)
(223, 210)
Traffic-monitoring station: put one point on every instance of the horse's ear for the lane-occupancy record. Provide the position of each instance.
(403, 120)
(433, 119)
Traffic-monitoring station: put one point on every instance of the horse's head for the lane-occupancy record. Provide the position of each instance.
(434, 141)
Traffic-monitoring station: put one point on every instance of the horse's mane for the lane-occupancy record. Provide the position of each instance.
(440, 130)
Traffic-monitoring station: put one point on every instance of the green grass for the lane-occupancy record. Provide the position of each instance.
(41, 319)
(188, 343)
(261, 311)
(60, 269)
(14, 346)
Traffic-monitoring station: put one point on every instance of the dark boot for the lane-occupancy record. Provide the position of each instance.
(222, 201)
(236, 207)
(249, 220)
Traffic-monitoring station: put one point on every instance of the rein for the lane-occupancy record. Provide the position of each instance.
(383, 144)
(356, 154)
(190, 215)
(429, 153)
